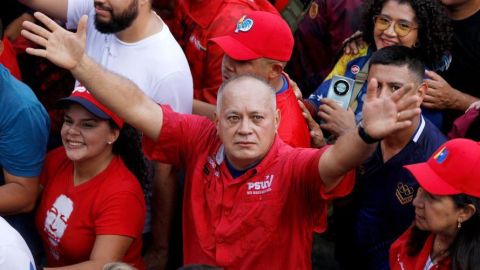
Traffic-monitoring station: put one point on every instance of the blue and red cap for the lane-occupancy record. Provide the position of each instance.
(258, 34)
(453, 169)
(81, 96)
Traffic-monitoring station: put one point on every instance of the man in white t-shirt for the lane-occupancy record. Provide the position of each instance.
(128, 38)
(14, 252)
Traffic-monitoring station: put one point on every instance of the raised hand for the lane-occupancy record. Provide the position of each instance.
(383, 115)
(61, 47)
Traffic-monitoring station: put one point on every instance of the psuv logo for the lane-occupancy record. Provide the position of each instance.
(260, 187)
(197, 43)
(244, 24)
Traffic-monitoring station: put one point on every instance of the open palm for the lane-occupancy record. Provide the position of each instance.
(61, 47)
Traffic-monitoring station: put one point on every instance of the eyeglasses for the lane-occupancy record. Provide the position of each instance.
(402, 28)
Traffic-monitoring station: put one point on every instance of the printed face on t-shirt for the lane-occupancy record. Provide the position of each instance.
(57, 219)
(246, 120)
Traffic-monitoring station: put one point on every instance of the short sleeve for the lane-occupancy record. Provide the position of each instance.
(180, 135)
(23, 141)
(314, 197)
(122, 213)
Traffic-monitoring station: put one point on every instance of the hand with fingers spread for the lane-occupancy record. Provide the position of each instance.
(383, 115)
(61, 47)
(337, 119)
(316, 134)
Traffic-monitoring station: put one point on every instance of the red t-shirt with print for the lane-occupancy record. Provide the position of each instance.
(70, 217)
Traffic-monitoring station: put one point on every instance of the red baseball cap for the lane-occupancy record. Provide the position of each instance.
(453, 169)
(258, 34)
(81, 96)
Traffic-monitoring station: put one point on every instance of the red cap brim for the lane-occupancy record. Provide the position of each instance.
(235, 49)
(430, 181)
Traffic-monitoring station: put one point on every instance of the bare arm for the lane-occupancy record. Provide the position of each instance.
(67, 50)
(204, 109)
(106, 249)
(19, 194)
(53, 8)
(381, 116)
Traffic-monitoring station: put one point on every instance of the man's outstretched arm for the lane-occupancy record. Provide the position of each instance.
(67, 50)
(382, 115)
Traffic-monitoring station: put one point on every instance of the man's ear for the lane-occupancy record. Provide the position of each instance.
(276, 69)
(422, 91)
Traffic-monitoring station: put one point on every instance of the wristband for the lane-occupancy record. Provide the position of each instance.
(365, 137)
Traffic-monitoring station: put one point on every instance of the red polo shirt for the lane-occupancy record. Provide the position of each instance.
(263, 219)
(201, 21)
(293, 128)
(399, 260)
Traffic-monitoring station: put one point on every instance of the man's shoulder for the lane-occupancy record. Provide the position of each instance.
(431, 138)
(16, 95)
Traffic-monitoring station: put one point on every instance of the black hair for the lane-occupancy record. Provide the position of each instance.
(434, 29)
(465, 249)
(129, 147)
(400, 56)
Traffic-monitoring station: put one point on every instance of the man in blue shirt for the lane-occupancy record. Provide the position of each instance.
(24, 126)
(380, 207)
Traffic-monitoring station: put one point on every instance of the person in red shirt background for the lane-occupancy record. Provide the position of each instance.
(261, 44)
(248, 195)
(92, 209)
(198, 21)
(445, 234)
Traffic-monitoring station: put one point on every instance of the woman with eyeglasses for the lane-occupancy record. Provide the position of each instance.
(445, 234)
(92, 210)
(419, 24)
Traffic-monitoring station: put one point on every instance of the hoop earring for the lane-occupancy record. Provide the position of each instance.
(416, 45)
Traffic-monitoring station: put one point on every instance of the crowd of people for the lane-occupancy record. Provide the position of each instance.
(255, 123)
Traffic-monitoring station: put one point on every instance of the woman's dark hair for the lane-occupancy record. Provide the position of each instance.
(465, 249)
(129, 147)
(434, 30)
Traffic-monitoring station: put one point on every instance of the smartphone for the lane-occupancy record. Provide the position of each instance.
(341, 90)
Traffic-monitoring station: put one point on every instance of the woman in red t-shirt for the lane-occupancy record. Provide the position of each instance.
(446, 232)
(92, 210)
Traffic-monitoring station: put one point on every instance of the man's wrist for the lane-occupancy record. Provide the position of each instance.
(365, 136)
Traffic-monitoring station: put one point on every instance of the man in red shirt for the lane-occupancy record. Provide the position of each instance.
(261, 44)
(197, 21)
(250, 201)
